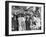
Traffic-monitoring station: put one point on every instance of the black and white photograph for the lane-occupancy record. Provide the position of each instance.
(25, 18)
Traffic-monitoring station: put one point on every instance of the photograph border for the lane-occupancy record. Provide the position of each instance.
(7, 17)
